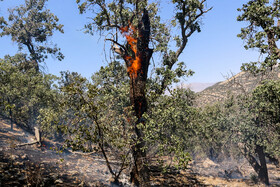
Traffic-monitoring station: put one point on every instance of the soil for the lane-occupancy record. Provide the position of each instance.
(31, 165)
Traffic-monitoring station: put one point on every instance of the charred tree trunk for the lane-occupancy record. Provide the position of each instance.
(11, 120)
(11, 116)
(138, 78)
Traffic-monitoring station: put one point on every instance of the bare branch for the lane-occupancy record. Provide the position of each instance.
(118, 44)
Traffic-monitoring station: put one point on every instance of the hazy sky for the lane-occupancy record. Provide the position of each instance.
(212, 54)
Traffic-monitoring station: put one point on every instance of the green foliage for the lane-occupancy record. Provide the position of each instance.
(169, 125)
(266, 101)
(111, 17)
(247, 121)
(98, 114)
(262, 32)
(107, 17)
(95, 114)
(31, 25)
(23, 91)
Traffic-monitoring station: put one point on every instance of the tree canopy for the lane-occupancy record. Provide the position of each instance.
(262, 32)
(30, 26)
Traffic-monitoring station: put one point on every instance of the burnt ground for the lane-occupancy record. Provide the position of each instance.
(31, 165)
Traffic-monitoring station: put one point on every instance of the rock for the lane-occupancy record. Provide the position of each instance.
(17, 163)
(233, 173)
(54, 175)
(209, 163)
(24, 157)
(81, 184)
(22, 178)
(14, 157)
(47, 181)
(74, 173)
(58, 181)
(114, 183)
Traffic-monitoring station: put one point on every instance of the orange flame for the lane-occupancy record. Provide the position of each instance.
(135, 63)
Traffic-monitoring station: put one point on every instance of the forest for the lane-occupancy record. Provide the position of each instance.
(130, 112)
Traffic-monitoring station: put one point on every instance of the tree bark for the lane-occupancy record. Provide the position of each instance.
(11, 120)
(262, 174)
(260, 169)
(11, 116)
(272, 42)
(139, 173)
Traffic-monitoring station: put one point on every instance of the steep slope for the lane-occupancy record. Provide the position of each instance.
(243, 82)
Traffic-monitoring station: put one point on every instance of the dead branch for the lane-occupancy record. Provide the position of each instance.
(25, 144)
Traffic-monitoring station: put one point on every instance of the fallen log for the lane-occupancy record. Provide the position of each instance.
(24, 144)
(37, 136)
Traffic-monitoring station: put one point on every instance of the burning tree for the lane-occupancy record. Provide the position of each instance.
(135, 26)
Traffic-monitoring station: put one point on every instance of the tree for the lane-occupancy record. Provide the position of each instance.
(266, 99)
(249, 123)
(23, 91)
(262, 123)
(262, 33)
(96, 113)
(30, 26)
(141, 26)
(170, 128)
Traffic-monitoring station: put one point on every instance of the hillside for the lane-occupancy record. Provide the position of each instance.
(47, 166)
(242, 82)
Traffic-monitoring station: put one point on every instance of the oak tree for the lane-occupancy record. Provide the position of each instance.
(133, 27)
(262, 32)
(31, 25)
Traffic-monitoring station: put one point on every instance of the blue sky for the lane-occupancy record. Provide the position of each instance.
(212, 54)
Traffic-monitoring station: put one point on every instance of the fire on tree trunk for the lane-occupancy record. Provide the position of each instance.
(137, 68)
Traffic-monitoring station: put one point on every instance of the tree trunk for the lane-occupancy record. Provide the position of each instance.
(11, 116)
(262, 174)
(139, 173)
(260, 169)
(11, 120)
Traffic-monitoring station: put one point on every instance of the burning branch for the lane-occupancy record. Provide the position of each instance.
(134, 60)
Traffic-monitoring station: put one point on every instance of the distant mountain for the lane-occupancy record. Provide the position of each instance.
(243, 82)
(197, 86)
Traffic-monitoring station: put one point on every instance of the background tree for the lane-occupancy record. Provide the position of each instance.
(139, 23)
(249, 123)
(170, 128)
(23, 91)
(260, 127)
(262, 33)
(30, 26)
